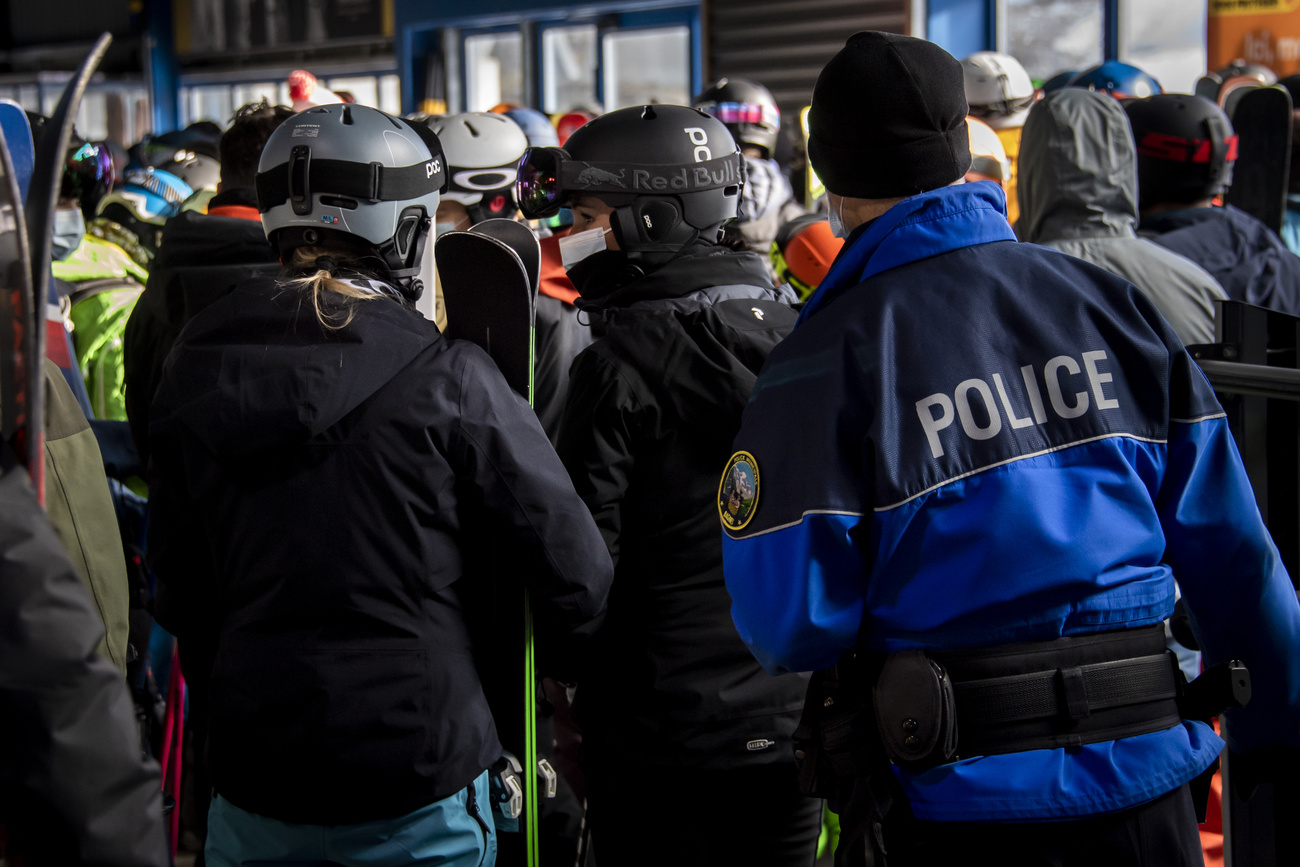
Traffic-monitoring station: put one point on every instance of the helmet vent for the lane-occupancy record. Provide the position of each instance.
(339, 202)
(648, 112)
(347, 115)
(472, 131)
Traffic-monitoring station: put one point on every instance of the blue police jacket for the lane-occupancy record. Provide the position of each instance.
(968, 441)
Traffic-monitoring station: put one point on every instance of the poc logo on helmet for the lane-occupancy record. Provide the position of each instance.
(432, 167)
(701, 140)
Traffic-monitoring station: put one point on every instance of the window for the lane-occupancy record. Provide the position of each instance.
(364, 88)
(646, 66)
(1165, 38)
(494, 69)
(243, 94)
(214, 102)
(569, 68)
(1050, 36)
(390, 94)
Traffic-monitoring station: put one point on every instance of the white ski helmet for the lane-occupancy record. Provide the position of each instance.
(483, 150)
(998, 89)
(357, 174)
(987, 155)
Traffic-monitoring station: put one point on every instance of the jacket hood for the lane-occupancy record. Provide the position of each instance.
(918, 227)
(255, 370)
(1077, 175)
(766, 190)
(697, 267)
(702, 275)
(191, 240)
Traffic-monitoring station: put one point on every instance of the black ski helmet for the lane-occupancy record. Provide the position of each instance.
(747, 108)
(355, 174)
(672, 174)
(1185, 146)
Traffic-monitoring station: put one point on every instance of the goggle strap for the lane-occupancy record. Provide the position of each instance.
(370, 182)
(578, 177)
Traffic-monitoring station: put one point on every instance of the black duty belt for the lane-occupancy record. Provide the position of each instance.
(1066, 692)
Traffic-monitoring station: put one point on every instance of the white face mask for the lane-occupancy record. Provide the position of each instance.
(838, 228)
(575, 248)
(440, 229)
(69, 229)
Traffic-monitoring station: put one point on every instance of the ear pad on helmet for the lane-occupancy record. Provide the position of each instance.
(658, 218)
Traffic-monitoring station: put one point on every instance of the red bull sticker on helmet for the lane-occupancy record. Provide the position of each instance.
(738, 491)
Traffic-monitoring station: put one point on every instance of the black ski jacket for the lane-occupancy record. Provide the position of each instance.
(313, 499)
(201, 258)
(1247, 257)
(560, 337)
(652, 409)
(73, 787)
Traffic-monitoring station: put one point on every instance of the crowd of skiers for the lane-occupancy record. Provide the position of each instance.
(258, 440)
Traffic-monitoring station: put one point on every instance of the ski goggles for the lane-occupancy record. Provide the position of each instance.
(743, 112)
(87, 175)
(549, 177)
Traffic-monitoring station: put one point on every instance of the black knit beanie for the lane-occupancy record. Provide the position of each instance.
(888, 118)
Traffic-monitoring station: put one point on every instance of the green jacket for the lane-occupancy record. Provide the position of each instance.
(107, 281)
(78, 504)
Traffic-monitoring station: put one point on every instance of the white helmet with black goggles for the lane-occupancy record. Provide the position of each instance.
(353, 172)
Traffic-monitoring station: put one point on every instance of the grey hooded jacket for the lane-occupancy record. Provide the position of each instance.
(1078, 193)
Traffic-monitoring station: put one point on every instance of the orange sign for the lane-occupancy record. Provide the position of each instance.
(1266, 32)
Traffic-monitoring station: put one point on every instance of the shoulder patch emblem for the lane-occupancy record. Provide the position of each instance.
(738, 491)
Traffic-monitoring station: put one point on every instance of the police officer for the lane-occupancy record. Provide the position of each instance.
(1004, 459)
(671, 704)
(326, 468)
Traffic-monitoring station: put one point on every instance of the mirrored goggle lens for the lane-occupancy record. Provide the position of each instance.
(87, 173)
(538, 185)
(745, 112)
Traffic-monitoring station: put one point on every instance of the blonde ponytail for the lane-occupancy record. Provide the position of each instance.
(323, 281)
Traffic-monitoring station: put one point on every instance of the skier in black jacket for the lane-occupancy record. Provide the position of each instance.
(73, 786)
(325, 464)
(1186, 149)
(201, 258)
(670, 701)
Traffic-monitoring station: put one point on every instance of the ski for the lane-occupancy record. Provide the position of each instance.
(18, 136)
(1261, 117)
(489, 278)
(20, 388)
(42, 199)
(490, 291)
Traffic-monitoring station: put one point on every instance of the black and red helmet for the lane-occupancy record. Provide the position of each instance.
(747, 109)
(1186, 148)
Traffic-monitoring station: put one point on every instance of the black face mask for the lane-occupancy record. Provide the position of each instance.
(601, 273)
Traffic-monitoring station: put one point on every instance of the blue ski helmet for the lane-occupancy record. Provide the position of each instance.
(148, 195)
(537, 126)
(1120, 80)
(1060, 80)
